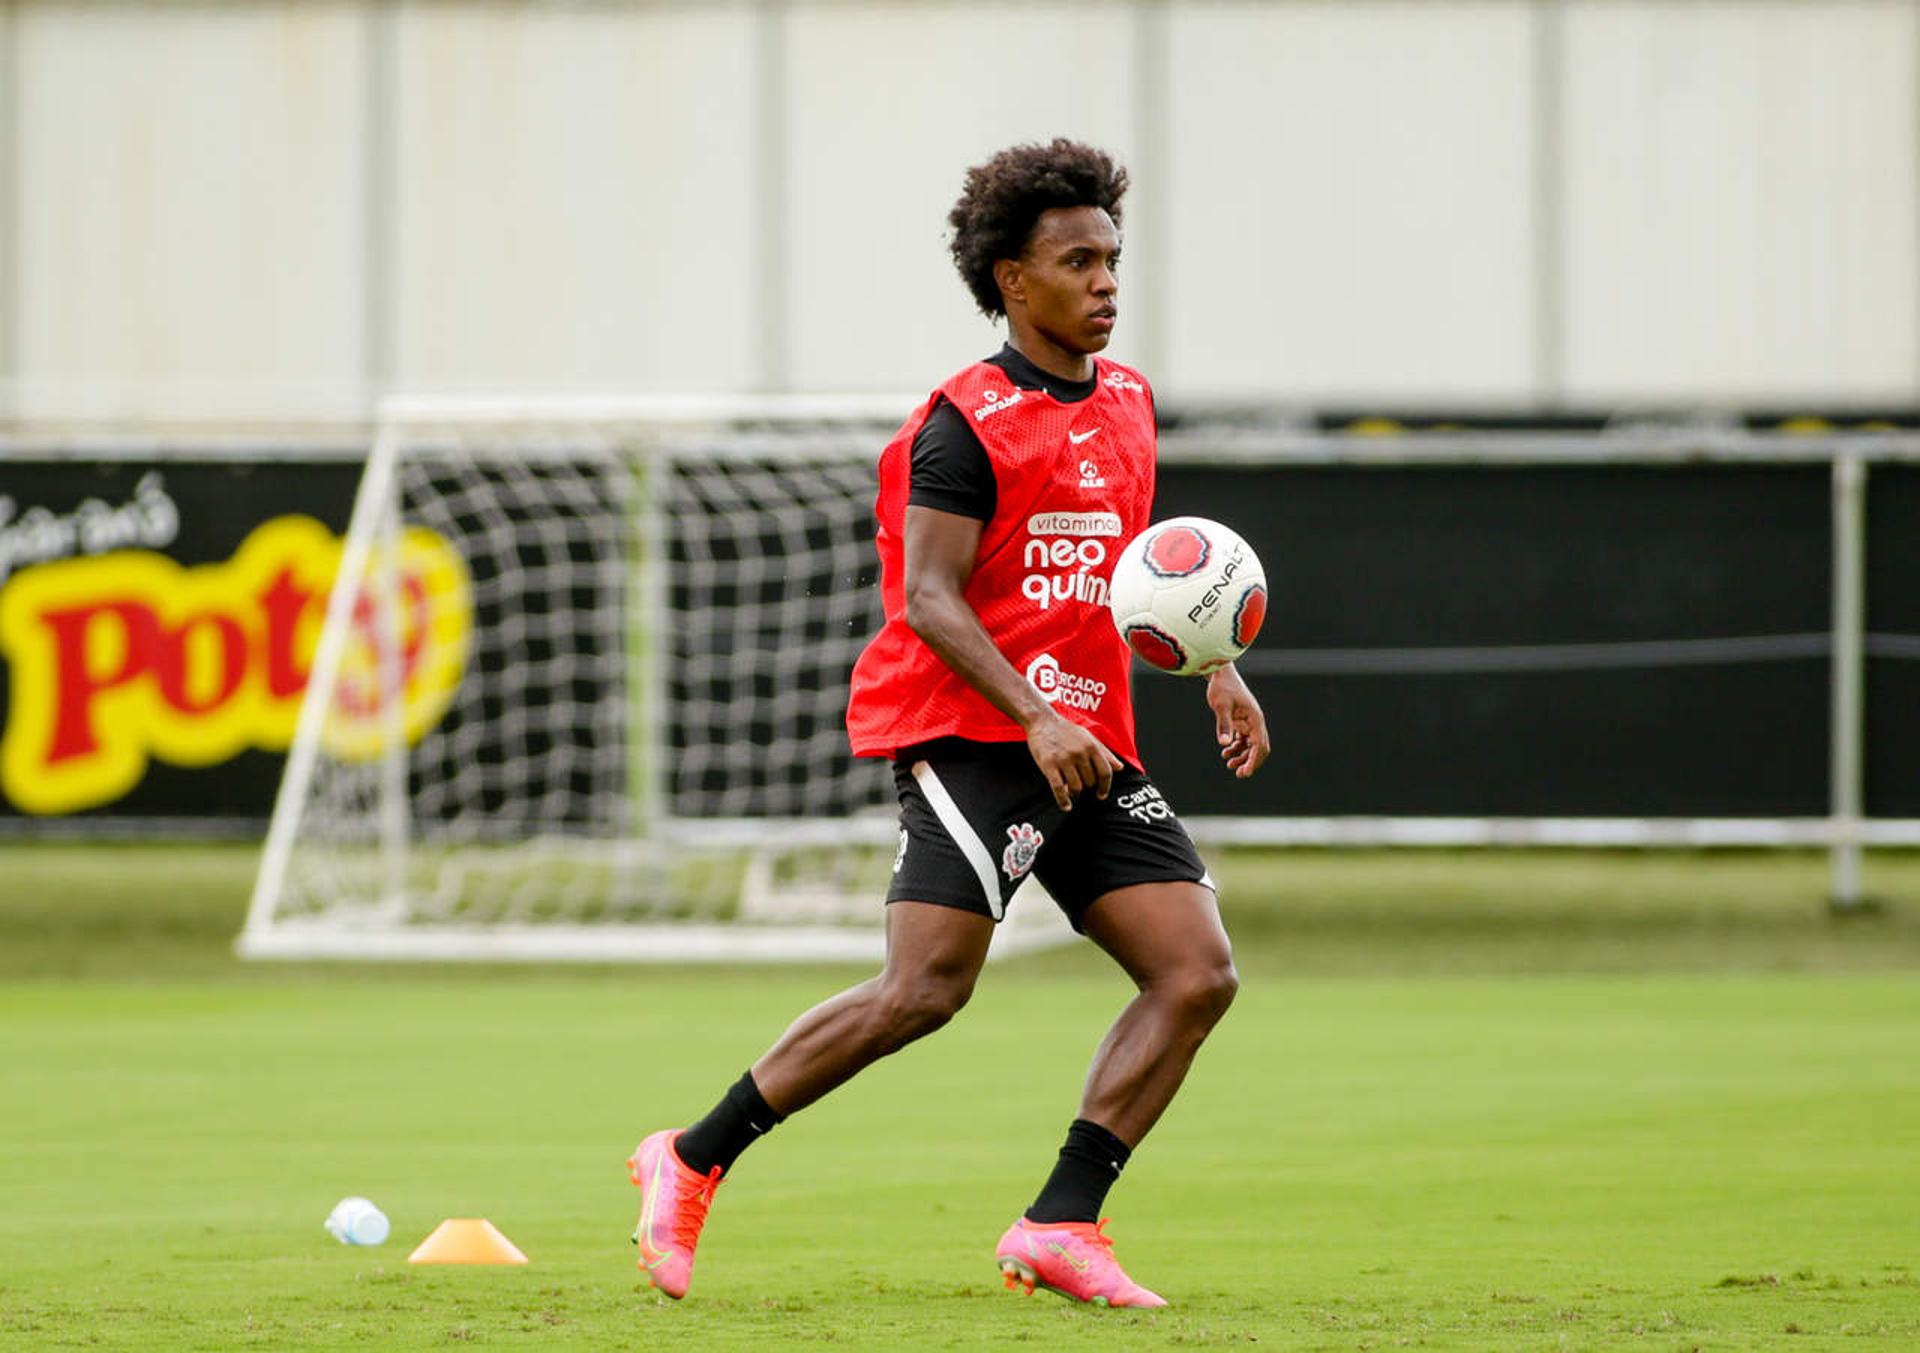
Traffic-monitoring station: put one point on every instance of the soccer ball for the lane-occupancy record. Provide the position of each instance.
(1188, 595)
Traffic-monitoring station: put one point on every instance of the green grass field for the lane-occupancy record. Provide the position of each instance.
(1554, 1100)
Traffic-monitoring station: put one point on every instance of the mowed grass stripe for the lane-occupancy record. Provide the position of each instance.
(1475, 1162)
(1557, 1099)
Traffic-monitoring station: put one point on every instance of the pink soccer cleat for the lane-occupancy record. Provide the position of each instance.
(674, 1199)
(1073, 1258)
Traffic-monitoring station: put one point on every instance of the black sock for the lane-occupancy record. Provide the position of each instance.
(739, 1120)
(1089, 1163)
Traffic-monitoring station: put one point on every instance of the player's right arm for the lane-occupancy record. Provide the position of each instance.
(940, 549)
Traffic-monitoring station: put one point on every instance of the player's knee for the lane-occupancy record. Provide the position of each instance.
(1203, 991)
(916, 1006)
(1225, 986)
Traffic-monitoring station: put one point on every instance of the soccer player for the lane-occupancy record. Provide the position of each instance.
(999, 689)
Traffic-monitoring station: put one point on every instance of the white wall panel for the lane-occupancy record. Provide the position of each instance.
(1351, 202)
(574, 201)
(9, 183)
(1740, 191)
(240, 210)
(890, 105)
(188, 209)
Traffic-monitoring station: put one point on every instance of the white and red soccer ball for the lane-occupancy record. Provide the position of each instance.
(1188, 595)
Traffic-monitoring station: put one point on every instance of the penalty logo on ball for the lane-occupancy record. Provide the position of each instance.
(1188, 595)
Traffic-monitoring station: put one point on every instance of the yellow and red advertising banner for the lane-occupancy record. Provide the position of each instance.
(159, 624)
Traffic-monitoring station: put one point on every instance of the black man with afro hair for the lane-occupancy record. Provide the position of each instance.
(999, 689)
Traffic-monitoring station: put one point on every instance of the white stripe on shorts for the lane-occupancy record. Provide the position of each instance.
(962, 833)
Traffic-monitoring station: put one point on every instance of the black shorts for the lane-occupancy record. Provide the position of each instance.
(976, 818)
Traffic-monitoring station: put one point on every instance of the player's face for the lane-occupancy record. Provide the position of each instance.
(1069, 278)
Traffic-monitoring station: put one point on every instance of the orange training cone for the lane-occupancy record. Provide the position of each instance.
(466, 1240)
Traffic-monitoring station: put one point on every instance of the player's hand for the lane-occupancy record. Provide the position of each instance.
(1071, 758)
(1238, 722)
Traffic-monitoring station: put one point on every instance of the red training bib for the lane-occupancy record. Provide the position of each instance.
(1074, 485)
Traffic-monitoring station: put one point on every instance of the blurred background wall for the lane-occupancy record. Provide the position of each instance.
(278, 211)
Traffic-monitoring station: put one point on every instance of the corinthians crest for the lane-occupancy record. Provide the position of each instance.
(1024, 842)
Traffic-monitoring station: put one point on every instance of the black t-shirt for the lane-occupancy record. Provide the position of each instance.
(950, 469)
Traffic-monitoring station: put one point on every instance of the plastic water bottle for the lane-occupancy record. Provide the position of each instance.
(355, 1221)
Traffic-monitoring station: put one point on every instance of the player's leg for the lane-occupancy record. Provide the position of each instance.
(1128, 876)
(934, 956)
(1168, 938)
(946, 895)
(934, 953)
(941, 908)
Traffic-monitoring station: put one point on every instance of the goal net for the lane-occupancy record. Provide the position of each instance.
(578, 695)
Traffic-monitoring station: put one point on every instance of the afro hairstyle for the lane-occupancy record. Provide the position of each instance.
(1003, 200)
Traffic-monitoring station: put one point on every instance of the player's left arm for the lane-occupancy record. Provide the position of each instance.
(1238, 722)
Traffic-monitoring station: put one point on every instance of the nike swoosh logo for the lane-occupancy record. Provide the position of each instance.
(1077, 1265)
(1078, 437)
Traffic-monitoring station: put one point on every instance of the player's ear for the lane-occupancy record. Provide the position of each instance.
(1012, 283)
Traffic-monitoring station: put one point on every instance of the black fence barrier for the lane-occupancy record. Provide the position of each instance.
(1547, 640)
(1528, 640)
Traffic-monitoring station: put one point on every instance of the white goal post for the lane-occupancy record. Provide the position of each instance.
(579, 693)
(579, 689)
